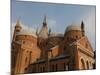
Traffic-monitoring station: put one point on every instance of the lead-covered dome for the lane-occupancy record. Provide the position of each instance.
(73, 27)
(26, 32)
(73, 33)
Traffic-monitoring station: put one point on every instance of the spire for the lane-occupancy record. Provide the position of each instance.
(49, 32)
(44, 21)
(82, 28)
(44, 30)
(82, 25)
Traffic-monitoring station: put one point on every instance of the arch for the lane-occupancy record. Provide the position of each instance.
(25, 70)
(82, 64)
(87, 63)
(90, 63)
(30, 56)
(93, 66)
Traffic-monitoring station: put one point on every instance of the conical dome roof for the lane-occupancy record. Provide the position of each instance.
(44, 30)
(27, 32)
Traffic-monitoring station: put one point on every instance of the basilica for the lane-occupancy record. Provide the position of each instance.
(46, 51)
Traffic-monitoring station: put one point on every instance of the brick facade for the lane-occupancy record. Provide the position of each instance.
(43, 52)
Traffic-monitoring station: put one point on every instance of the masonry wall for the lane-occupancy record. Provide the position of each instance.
(88, 61)
(28, 53)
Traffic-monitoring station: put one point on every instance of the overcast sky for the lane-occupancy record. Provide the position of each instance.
(59, 16)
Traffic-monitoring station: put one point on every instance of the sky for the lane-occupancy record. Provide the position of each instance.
(59, 16)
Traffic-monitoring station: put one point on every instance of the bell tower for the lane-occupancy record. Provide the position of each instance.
(43, 33)
(43, 37)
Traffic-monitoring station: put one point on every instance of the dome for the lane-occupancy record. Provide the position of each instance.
(73, 27)
(43, 32)
(56, 35)
(26, 32)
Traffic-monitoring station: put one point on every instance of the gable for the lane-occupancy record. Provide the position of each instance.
(85, 43)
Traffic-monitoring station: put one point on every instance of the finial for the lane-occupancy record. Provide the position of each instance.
(49, 31)
(44, 19)
(82, 25)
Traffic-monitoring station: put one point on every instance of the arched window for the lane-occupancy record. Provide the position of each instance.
(93, 66)
(87, 63)
(30, 54)
(82, 64)
(90, 64)
(56, 67)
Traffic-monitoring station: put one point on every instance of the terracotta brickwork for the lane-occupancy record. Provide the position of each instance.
(47, 52)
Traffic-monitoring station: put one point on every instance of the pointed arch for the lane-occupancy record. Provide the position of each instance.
(82, 64)
(87, 63)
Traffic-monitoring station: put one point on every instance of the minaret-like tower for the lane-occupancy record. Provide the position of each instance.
(43, 33)
(17, 29)
(14, 49)
(43, 37)
(82, 28)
